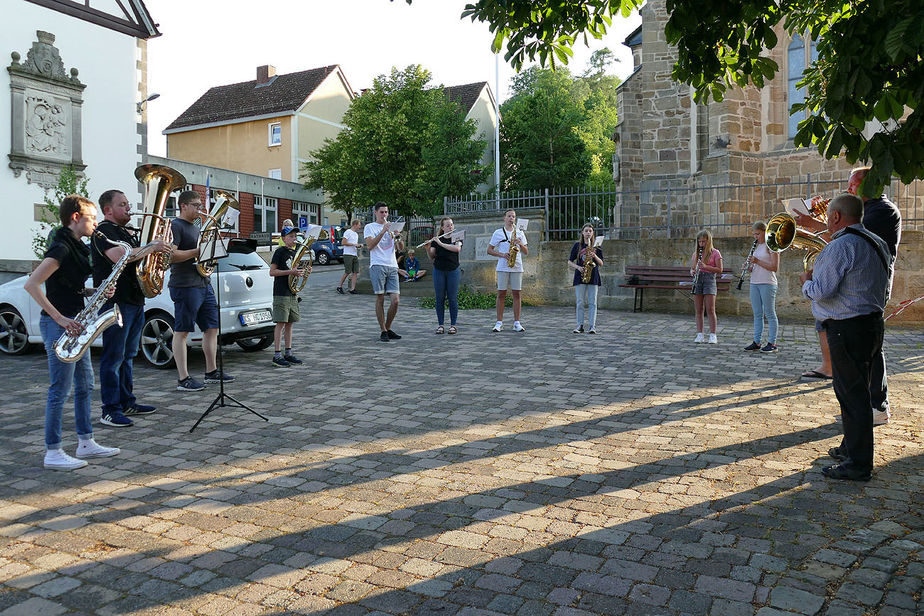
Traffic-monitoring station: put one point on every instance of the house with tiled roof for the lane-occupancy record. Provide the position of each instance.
(265, 127)
(477, 101)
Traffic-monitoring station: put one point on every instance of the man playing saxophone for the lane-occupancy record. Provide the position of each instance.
(63, 269)
(285, 302)
(193, 298)
(120, 344)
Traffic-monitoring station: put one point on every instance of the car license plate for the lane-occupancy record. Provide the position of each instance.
(255, 317)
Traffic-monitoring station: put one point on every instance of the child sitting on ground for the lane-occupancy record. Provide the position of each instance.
(412, 269)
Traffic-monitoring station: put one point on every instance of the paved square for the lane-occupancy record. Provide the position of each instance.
(631, 472)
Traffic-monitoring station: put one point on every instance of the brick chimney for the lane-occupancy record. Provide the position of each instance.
(265, 73)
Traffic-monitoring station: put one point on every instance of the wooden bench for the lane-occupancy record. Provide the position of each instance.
(670, 277)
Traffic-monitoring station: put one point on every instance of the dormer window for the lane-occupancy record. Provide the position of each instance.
(275, 134)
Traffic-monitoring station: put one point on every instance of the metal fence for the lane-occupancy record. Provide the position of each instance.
(727, 210)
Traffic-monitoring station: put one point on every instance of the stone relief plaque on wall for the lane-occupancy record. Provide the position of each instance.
(46, 114)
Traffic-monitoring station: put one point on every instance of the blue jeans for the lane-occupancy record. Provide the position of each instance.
(446, 285)
(120, 345)
(62, 376)
(588, 305)
(763, 303)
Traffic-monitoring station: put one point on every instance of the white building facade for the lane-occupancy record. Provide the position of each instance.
(71, 95)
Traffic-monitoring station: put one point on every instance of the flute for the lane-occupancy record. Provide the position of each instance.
(747, 263)
(436, 238)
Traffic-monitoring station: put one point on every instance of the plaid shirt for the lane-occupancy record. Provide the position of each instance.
(849, 279)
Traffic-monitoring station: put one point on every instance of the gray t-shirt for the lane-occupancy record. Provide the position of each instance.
(185, 274)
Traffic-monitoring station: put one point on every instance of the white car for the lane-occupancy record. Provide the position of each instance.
(246, 307)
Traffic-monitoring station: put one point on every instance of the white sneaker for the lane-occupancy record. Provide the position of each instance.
(880, 418)
(713, 339)
(699, 338)
(92, 449)
(57, 459)
(498, 326)
(517, 327)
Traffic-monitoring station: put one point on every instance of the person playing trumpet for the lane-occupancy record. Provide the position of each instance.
(285, 302)
(383, 269)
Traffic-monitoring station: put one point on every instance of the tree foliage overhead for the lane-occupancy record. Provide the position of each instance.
(869, 64)
(556, 129)
(405, 143)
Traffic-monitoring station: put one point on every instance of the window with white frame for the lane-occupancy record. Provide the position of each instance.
(275, 133)
(309, 210)
(798, 57)
(264, 214)
(275, 174)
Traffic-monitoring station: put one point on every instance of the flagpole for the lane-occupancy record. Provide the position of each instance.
(497, 130)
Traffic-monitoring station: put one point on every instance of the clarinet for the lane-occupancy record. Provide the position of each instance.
(699, 256)
(747, 263)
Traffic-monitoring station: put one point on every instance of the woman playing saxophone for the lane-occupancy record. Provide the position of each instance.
(63, 269)
(586, 261)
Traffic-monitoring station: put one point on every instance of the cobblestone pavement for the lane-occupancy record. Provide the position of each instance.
(541, 473)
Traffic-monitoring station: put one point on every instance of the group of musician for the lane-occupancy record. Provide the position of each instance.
(848, 285)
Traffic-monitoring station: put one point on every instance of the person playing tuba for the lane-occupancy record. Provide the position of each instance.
(285, 302)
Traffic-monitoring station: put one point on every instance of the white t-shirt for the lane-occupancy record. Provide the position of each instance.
(384, 251)
(352, 237)
(501, 242)
(760, 275)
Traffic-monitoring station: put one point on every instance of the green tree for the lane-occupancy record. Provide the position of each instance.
(868, 68)
(405, 143)
(69, 183)
(540, 145)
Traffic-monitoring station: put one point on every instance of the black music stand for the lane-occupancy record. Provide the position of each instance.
(219, 251)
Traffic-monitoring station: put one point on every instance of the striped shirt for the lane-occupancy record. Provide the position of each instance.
(849, 279)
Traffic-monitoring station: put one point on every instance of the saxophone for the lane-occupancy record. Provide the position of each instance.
(297, 282)
(70, 348)
(589, 264)
(514, 249)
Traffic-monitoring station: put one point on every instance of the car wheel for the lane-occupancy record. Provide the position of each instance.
(14, 339)
(323, 258)
(157, 340)
(251, 345)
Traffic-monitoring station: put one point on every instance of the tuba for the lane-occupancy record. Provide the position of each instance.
(159, 181)
(297, 282)
(70, 348)
(211, 226)
(782, 233)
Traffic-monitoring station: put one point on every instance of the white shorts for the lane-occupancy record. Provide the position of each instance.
(509, 280)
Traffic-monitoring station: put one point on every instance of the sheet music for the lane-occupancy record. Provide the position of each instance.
(598, 242)
(313, 232)
(229, 220)
(213, 248)
(796, 206)
(457, 235)
(522, 223)
(396, 227)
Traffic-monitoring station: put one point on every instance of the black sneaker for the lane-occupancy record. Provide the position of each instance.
(139, 409)
(292, 359)
(189, 384)
(116, 419)
(392, 335)
(279, 362)
(352, 291)
(384, 337)
(340, 290)
(216, 377)
(770, 348)
(752, 347)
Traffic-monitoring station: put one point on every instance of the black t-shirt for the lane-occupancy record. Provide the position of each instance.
(444, 260)
(128, 290)
(64, 287)
(882, 217)
(281, 283)
(185, 274)
(579, 259)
